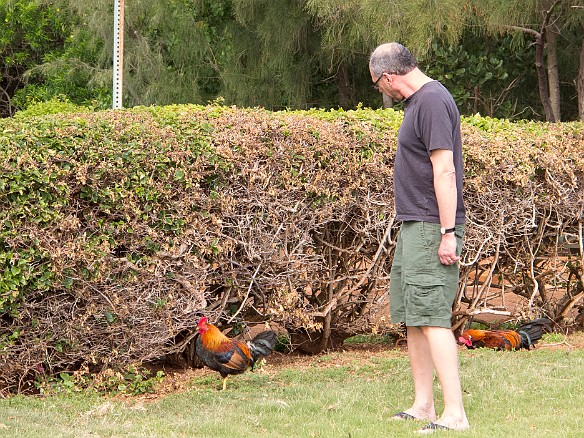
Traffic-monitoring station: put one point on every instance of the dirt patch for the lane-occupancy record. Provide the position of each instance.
(571, 342)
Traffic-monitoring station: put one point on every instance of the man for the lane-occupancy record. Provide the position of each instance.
(428, 198)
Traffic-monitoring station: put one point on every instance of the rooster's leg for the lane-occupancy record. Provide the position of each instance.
(225, 383)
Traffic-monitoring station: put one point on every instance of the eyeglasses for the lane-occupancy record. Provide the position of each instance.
(375, 84)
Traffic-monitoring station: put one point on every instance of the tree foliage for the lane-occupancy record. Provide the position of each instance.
(306, 53)
(482, 80)
(557, 30)
(169, 54)
(274, 54)
(30, 33)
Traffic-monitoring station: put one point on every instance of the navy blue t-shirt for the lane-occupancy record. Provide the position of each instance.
(431, 121)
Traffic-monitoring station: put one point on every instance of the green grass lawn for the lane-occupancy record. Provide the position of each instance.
(539, 393)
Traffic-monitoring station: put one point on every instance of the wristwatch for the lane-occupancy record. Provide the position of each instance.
(447, 230)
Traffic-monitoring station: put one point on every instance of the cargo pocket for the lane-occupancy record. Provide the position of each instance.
(425, 294)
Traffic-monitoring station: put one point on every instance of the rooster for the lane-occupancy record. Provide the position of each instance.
(229, 356)
(524, 337)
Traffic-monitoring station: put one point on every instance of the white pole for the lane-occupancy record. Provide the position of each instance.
(118, 53)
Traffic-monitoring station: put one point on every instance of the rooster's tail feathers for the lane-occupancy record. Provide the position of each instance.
(262, 344)
(533, 331)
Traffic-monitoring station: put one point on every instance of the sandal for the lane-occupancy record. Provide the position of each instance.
(403, 416)
(432, 427)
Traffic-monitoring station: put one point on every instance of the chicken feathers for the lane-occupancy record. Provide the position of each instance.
(525, 336)
(229, 356)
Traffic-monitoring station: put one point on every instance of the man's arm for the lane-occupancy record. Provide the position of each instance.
(446, 195)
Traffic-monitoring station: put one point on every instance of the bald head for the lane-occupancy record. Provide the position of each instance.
(393, 58)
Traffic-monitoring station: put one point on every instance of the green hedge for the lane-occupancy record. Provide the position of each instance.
(120, 228)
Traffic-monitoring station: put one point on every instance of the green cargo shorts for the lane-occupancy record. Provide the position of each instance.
(421, 289)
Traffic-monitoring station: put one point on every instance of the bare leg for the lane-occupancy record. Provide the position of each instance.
(423, 374)
(444, 352)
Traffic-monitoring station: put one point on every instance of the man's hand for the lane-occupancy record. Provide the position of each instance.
(447, 249)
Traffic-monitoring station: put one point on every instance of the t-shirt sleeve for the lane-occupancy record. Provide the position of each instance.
(434, 123)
